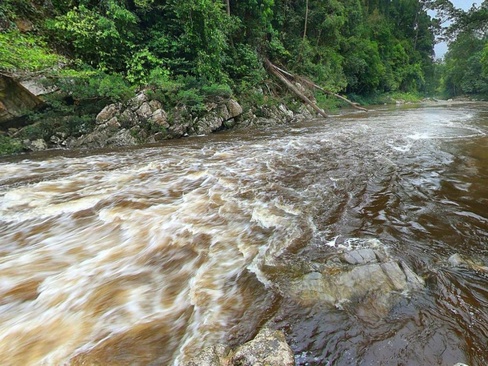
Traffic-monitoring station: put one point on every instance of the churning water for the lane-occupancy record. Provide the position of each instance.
(144, 256)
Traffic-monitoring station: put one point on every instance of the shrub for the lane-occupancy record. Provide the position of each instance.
(19, 51)
(9, 145)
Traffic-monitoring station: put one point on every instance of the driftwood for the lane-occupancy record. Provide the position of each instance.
(276, 72)
(311, 84)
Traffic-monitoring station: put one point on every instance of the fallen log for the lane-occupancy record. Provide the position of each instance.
(272, 68)
(328, 92)
(311, 84)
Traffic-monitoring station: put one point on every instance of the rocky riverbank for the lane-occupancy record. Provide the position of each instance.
(144, 120)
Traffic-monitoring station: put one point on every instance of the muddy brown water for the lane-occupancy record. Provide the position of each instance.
(144, 256)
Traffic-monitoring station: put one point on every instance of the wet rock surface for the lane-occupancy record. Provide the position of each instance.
(268, 348)
(459, 261)
(363, 272)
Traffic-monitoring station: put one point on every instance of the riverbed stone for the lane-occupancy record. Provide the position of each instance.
(354, 276)
(269, 348)
(360, 256)
(217, 355)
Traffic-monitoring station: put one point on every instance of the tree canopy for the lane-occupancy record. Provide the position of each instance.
(354, 46)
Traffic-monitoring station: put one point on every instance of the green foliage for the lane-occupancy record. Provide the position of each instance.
(102, 37)
(326, 102)
(9, 145)
(17, 9)
(90, 84)
(464, 66)
(214, 91)
(484, 60)
(142, 65)
(192, 52)
(19, 51)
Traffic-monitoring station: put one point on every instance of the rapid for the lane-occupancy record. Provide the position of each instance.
(144, 256)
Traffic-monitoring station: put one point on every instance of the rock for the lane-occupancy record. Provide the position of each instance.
(359, 275)
(155, 105)
(127, 119)
(285, 111)
(159, 136)
(15, 99)
(137, 101)
(109, 112)
(113, 123)
(122, 138)
(56, 140)
(35, 145)
(103, 137)
(208, 124)
(457, 260)
(360, 256)
(37, 87)
(211, 356)
(234, 108)
(268, 348)
(144, 111)
(160, 118)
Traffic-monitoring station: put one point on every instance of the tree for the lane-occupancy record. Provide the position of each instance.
(466, 63)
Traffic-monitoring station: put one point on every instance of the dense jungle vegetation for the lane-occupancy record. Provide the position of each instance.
(100, 51)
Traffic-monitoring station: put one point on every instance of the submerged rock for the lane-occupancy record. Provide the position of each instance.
(457, 260)
(353, 277)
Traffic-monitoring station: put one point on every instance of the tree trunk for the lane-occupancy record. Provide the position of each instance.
(275, 71)
(227, 2)
(311, 84)
(306, 21)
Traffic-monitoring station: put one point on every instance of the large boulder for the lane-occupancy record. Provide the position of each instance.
(15, 99)
(234, 108)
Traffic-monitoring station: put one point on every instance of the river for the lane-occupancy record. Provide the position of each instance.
(143, 256)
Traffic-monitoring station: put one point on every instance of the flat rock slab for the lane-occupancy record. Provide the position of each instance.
(355, 275)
